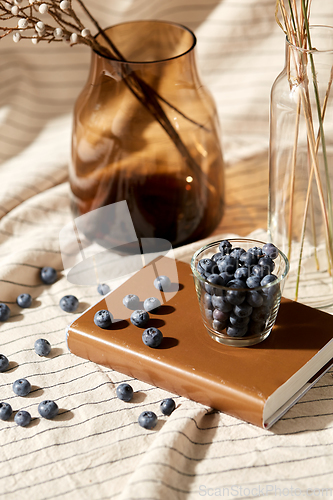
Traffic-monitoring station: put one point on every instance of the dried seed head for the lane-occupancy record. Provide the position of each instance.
(74, 38)
(14, 10)
(22, 23)
(85, 32)
(16, 37)
(43, 8)
(58, 33)
(40, 27)
(65, 5)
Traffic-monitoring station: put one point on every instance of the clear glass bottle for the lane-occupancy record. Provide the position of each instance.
(146, 131)
(300, 217)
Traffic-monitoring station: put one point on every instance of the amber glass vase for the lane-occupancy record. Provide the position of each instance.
(146, 131)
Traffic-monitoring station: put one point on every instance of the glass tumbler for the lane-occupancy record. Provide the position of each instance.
(243, 310)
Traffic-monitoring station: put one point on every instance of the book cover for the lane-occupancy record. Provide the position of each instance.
(257, 384)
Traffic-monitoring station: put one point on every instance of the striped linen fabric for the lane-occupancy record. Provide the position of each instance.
(94, 448)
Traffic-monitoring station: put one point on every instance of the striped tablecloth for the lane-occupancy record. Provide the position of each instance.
(94, 448)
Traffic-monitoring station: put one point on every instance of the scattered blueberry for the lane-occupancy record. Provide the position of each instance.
(151, 304)
(167, 406)
(103, 319)
(147, 419)
(22, 387)
(48, 275)
(270, 250)
(152, 337)
(124, 392)
(162, 283)
(131, 301)
(139, 318)
(4, 363)
(24, 300)
(42, 347)
(48, 409)
(69, 303)
(103, 288)
(22, 418)
(4, 312)
(5, 411)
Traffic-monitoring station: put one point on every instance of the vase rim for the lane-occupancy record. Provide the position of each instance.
(150, 21)
(313, 50)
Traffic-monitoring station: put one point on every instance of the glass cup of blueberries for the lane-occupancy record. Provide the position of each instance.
(239, 283)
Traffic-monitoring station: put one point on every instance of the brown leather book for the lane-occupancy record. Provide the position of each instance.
(257, 384)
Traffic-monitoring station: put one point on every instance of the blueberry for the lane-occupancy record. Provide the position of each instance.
(220, 315)
(256, 327)
(253, 281)
(151, 304)
(103, 319)
(22, 418)
(217, 256)
(5, 411)
(235, 297)
(248, 259)
(167, 406)
(4, 312)
(236, 331)
(242, 310)
(270, 250)
(226, 278)
(237, 252)
(48, 409)
(228, 265)
(238, 321)
(162, 283)
(254, 298)
(4, 363)
(269, 278)
(219, 325)
(207, 301)
(69, 303)
(206, 267)
(131, 301)
(152, 337)
(256, 251)
(42, 347)
(24, 300)
(214, 279)
(260, 271)
(209, 314)
(147, 419)
(220, 303)
(225, 247)
(22, 387)
(103, 289)
(242, 273)
(124, 392)
(267, 263)
(139, 318)
(48, 275)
